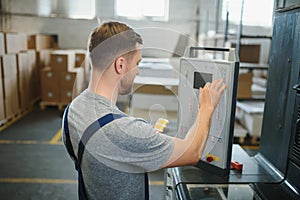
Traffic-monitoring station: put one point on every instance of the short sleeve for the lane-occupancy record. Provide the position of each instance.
(131, 145)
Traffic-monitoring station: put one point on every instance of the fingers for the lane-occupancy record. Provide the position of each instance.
(216, 85)
(207, 85)
(222, 88)
(210, 94)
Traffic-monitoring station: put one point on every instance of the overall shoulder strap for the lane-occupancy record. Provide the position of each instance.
(88, 133)
(92, 129)
(68, 143)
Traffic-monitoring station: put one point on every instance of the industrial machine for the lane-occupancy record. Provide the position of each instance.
(195, 72)
(274, 172)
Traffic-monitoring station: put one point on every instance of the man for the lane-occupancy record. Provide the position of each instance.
(119, 153)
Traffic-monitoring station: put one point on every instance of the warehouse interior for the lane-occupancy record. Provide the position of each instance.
(44, 65)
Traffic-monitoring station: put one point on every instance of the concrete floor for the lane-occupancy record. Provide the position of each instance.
(34, 163)
(35, 166)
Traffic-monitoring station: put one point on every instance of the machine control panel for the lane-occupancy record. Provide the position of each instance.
(195, 73)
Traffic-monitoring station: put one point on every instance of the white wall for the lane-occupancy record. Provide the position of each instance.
(73, 33)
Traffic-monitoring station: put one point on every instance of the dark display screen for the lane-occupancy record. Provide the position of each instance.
(201, 78)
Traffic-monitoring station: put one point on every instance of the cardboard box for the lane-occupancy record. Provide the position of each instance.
(2, 107)
(23, 41)
(2, 48)
(32, 56)
(42, 41)
(249, 52)
(71, 81)
(29, 78)
(67, 79)
(35, 80)
(15, 42)
(250, 115)
(9, 64)
(49, 85)
(50, 95)
(49, 78)
(43, 58)
(12, 42)
(11, 97)
(62, 60)
(24, 98)
(24, 78)
(61, 87)
(66, 95)
(80, 58)
(22, 63)
(244, 85)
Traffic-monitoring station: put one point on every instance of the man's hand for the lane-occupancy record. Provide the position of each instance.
(211, 93)
(188, 151)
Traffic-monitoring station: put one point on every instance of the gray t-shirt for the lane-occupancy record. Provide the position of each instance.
(118, 154)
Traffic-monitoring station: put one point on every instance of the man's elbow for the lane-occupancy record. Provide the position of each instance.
(194, 159)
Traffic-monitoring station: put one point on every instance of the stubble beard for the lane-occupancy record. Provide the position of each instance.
(126, 86)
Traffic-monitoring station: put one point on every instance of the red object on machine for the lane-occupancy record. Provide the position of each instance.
(236, 165)
(209, 158)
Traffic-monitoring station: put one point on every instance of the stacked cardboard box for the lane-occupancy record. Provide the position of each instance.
(42, 41)
(24, 79)
(71, 84)
(49, 85)
(43, 58)
(244, 84)
(43, 45)
(10, 85)
(10, 44)
(2, 111)
(34, 76)
(81, 60)
(2, 48)
(20, 69)
(61, 81)
(249, 53)
(28, 81)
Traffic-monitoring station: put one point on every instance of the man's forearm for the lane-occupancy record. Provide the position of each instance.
(197, 135)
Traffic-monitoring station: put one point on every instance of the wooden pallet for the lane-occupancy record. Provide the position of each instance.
(243, 137)
(247, 140)
(35, 101)
(59, 105)
(14, 118)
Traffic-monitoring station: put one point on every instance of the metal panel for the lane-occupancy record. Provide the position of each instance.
(278, 114)
(294, 166)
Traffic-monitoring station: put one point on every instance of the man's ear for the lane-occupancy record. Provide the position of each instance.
(119, 65)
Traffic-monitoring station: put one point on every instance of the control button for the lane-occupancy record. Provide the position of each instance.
(209, 158)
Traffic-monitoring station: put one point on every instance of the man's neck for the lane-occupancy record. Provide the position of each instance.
(104, 87)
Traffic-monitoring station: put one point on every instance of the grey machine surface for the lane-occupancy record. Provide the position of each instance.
(214, 166)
